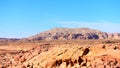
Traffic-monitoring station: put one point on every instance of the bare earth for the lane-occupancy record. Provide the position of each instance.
(61, 54)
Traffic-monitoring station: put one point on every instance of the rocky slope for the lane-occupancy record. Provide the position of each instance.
(61, 54)
(73, 33)
(77, 57)
(64, 56)
(114, 36)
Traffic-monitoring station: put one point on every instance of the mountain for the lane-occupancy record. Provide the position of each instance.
(114, 36)
(73, 34)
(9, 39)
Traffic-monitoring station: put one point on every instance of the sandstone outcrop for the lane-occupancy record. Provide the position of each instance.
(66, 56)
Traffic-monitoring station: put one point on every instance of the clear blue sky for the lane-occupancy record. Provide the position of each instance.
(23, 18)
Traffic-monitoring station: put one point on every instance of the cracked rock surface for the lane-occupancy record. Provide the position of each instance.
(68, 56)
(63, 55)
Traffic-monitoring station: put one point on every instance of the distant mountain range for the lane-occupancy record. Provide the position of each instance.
(73, 34)
(68, 34)
(9, 39)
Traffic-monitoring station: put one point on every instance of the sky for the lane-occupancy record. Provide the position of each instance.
(24, 18)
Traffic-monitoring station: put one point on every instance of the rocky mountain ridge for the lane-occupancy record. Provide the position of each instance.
(73, 34)
(68, 34)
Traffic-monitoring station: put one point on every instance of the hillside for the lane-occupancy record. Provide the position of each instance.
(73, 34)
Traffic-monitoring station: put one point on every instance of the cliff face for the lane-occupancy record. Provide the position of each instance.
(72, 34)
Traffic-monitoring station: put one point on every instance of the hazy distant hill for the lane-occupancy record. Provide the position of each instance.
(73, 33)
(9, 39)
